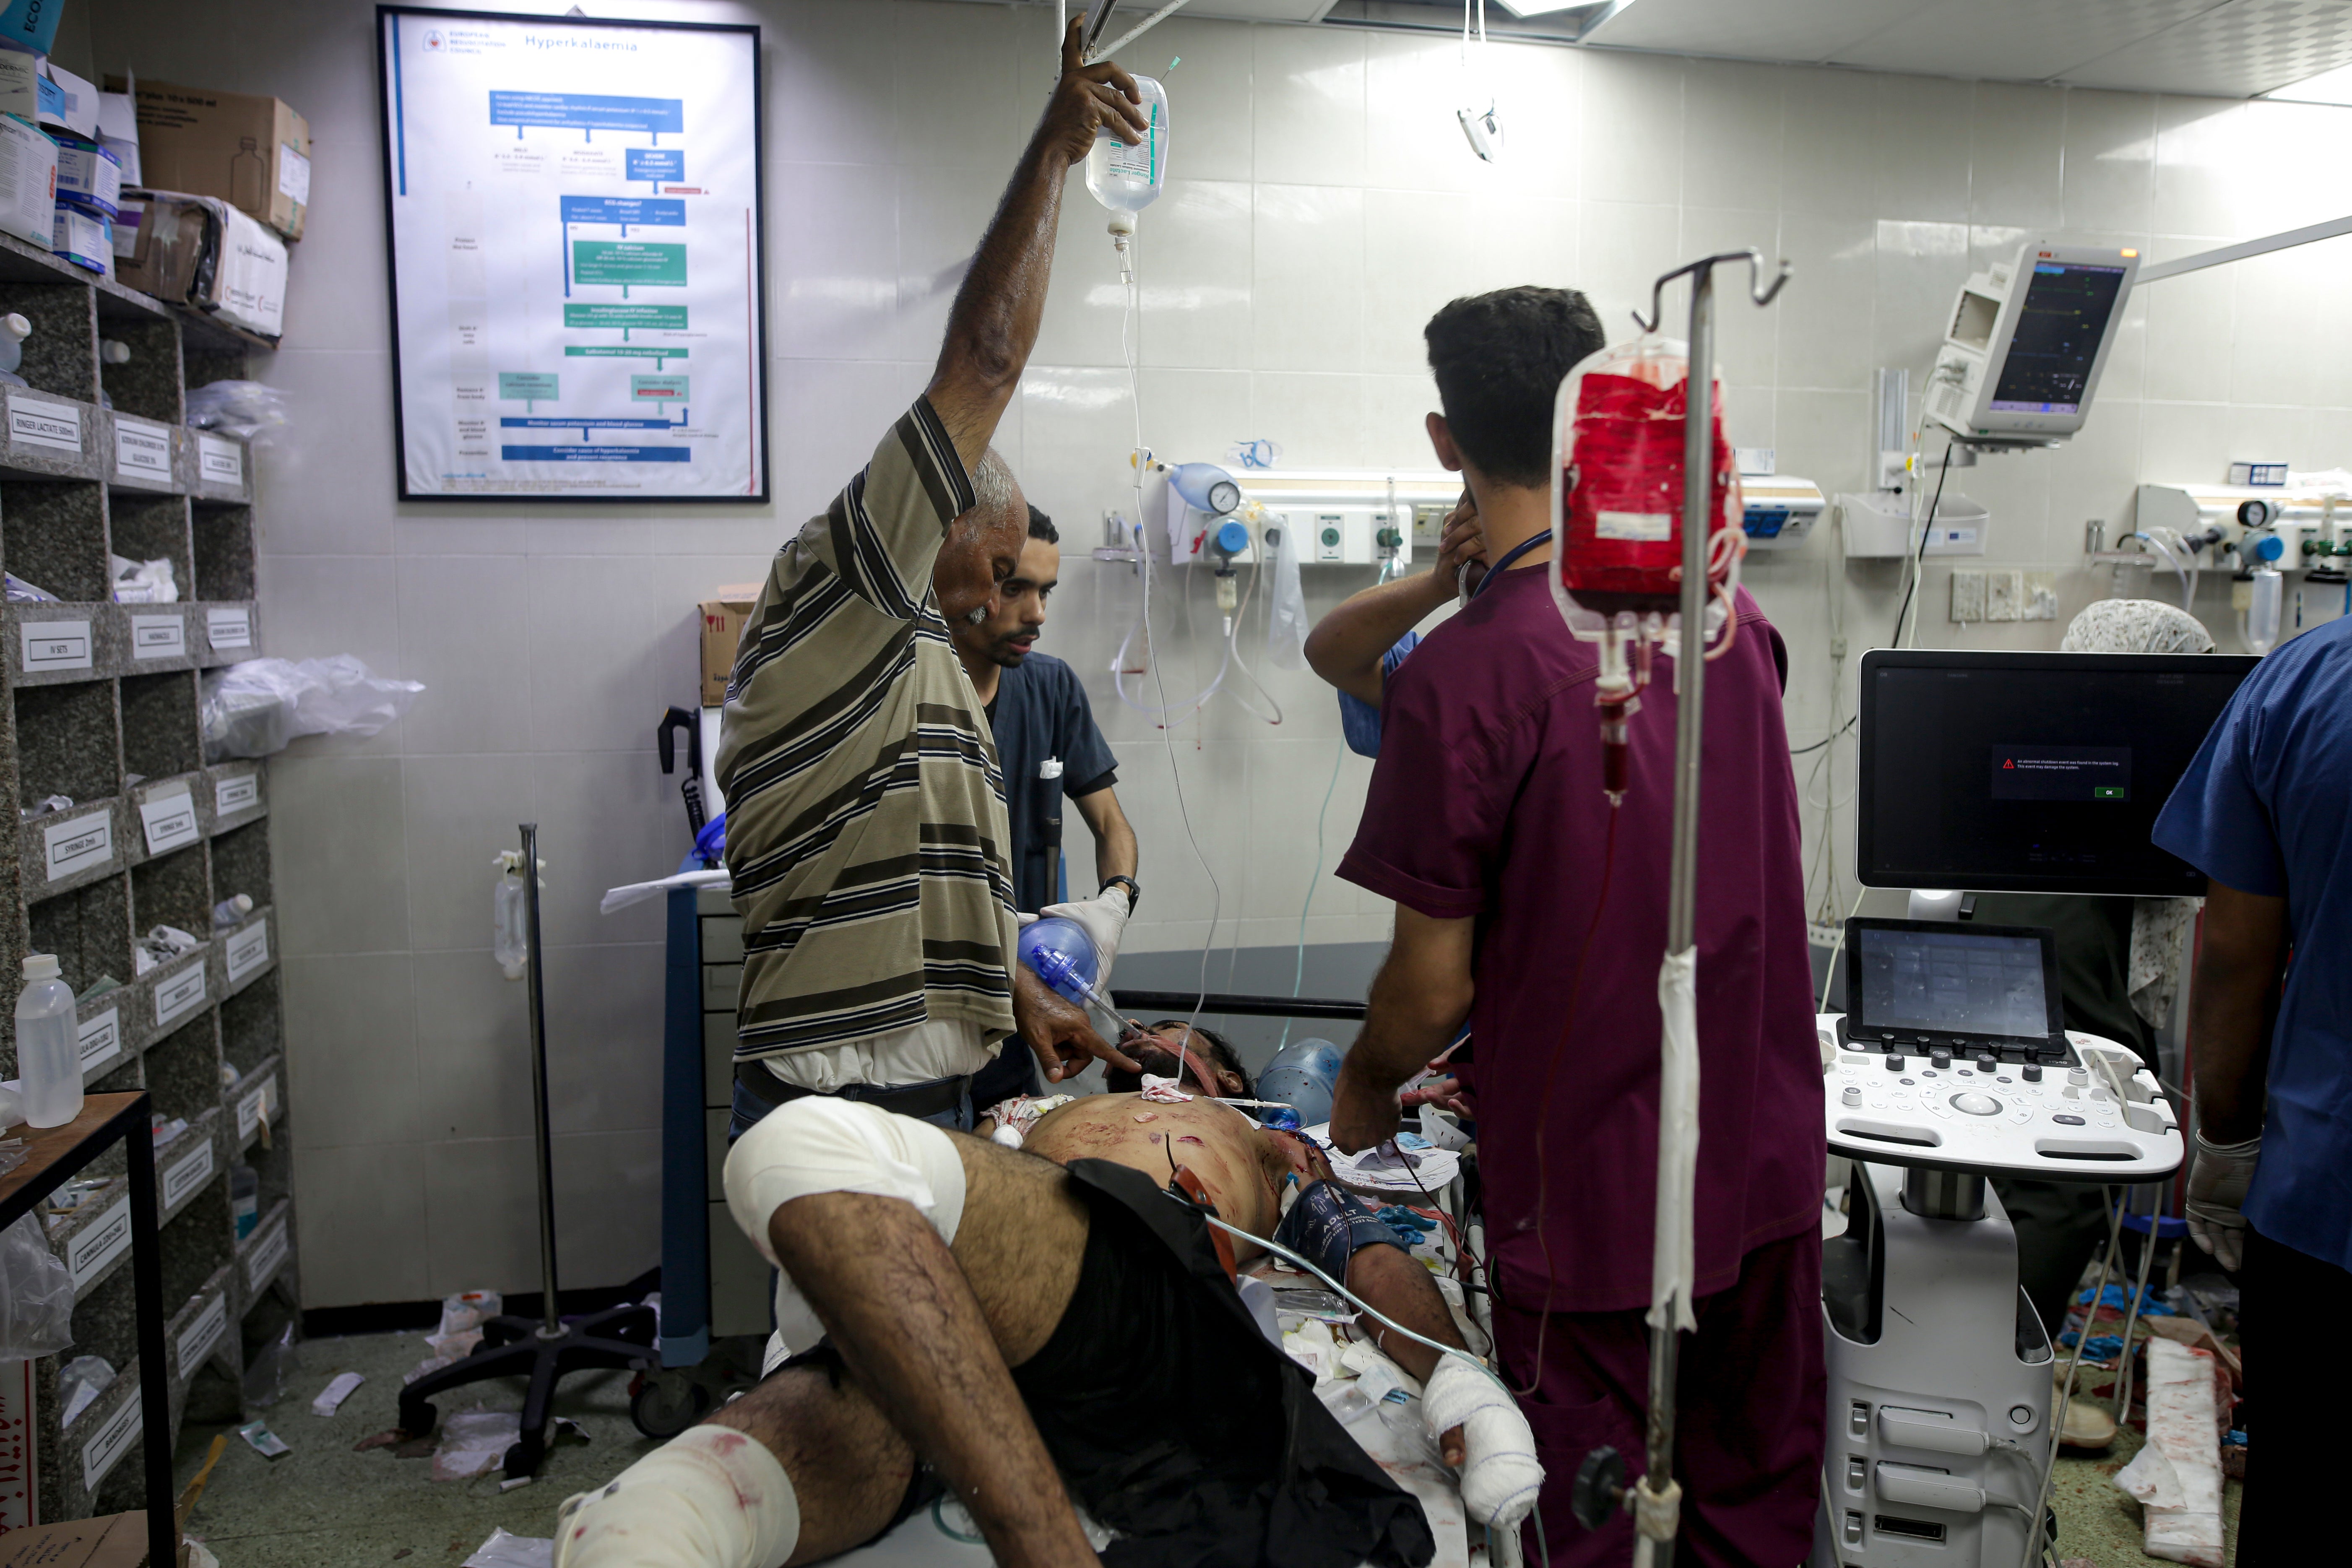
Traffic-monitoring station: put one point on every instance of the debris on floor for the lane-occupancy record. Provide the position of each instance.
(504, 1550)
(333, 1396)
(265, 1443)
(475, 1442)
(461, 1333)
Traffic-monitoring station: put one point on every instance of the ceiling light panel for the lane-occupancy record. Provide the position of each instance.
(1801, 30)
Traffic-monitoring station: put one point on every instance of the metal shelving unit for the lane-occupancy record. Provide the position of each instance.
(102, 708)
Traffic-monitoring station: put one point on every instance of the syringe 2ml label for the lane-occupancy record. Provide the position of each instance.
(79, 845)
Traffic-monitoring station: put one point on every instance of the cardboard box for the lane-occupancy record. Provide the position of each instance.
(200, 251)
(110, 1541)
(722, 630)
(251, 153)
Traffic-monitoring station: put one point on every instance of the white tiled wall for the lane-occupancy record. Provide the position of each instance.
(1323, 204)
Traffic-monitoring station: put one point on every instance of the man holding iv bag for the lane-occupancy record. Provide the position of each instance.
(1526, 904)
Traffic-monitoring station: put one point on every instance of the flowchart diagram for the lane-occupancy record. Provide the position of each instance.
(599, 332)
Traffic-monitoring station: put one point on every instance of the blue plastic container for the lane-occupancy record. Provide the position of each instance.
(1302, 1076)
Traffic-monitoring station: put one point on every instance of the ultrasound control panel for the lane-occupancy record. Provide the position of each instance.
(2064, 1120)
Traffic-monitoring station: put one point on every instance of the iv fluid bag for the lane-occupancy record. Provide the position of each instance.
(1127, 178)
(1617, 479)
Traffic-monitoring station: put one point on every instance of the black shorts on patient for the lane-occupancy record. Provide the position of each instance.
(1173, 1419)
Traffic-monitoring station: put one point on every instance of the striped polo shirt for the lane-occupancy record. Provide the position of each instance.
(866, 827)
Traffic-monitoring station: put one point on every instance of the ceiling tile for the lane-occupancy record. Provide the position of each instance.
(1808, 31)
(2241, 49)
(2014, 40)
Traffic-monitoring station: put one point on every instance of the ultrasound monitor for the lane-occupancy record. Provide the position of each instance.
(1916, 986)
(2030, 773)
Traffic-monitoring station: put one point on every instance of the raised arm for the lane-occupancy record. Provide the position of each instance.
(1346, 646)
(993, 324)
(1419, 999)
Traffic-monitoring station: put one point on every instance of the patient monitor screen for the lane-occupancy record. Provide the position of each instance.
(2031, 772)
(2056, 345)
(1954, 981)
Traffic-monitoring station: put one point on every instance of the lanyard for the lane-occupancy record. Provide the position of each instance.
(1513, 553)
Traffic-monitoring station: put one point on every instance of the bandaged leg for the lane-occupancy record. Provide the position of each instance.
(821, 1144)
(711, 1498)
(1500, 1477)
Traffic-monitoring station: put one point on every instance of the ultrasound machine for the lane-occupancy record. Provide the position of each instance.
(1989, 772)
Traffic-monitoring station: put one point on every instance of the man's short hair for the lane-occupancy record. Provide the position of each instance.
(995, 491)
(1499, 359)
(1042, 527)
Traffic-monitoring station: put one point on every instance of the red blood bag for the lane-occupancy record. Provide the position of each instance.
(1619, 480)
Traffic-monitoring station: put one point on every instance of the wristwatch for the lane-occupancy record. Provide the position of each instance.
(1134, 891)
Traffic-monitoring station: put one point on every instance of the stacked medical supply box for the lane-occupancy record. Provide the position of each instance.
(252, 153)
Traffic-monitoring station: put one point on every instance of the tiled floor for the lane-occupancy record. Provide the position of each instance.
(325, 1506)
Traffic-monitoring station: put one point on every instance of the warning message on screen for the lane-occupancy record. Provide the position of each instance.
(2062, 772)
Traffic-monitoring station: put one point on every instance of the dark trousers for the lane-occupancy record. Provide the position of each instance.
(1748, 1418)
(2293, 1441)
(2059, 1225)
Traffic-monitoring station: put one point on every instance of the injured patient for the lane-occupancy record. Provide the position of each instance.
(1052, 1325)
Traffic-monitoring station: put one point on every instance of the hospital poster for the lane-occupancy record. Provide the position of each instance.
(575, 248)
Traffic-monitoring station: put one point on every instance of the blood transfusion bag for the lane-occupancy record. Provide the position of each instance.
(1617, 521)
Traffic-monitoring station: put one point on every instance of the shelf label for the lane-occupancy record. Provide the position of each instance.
(267, 1254)
(227, 628)
(199, 1339)
(79, 845)
(55, 645)
(159, 636)
(98, 1244)
(220, 462)
(97, 1454)
(101, 1039)
(141, 451)
(255, 1107)
(179, 993)
(170, 820)
(33, 423)
(185, 1177)
(249, 950)
(234, 795)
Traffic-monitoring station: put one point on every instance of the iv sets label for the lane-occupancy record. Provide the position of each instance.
(141, 451)
(79, 845)
(32, 423)
(55, 645)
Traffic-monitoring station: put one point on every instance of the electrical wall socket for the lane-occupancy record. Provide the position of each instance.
(2041, 602)
(2003, 592)
(1967, 596)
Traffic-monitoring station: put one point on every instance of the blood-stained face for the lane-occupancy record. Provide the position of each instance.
(1199, 1064)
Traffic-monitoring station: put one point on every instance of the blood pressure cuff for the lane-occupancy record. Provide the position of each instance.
(1328, 1225)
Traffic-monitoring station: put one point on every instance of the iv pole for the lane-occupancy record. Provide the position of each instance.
(1655, 1497)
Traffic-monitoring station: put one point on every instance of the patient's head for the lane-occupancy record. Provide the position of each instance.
(1208, 1063)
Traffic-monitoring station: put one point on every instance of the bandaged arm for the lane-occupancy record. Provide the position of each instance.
(1500, 1474)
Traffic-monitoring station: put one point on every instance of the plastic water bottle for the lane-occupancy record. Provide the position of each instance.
(14, 329)
(244, 1199)
(230, 911)
(48, 1054)
(1127, 178)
